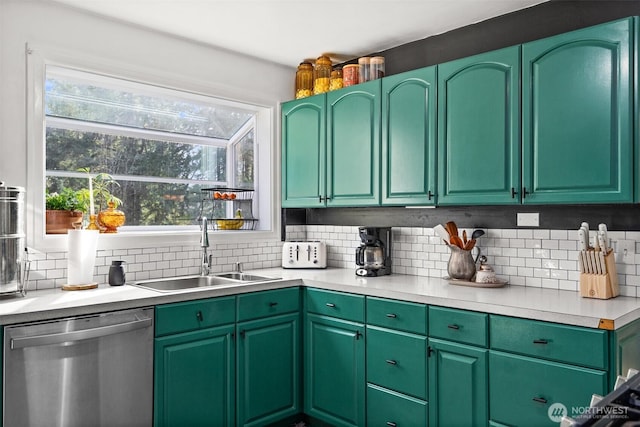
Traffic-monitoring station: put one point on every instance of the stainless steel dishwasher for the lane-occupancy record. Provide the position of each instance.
(85, 371)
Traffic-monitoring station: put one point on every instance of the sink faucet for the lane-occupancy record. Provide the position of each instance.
(205, 266)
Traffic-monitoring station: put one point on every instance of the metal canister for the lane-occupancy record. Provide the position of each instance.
(13, 261)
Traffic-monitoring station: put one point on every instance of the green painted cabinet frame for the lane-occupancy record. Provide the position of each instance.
(409, 138)
(479, 129)
(578, 115)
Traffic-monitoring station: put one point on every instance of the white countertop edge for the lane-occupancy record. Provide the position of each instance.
(531, 303)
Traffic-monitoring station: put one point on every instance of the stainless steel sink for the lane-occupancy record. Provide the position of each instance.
(243, 277)
(186, 282)
(191, 282)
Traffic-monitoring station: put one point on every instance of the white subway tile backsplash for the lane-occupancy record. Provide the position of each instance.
(525, 257)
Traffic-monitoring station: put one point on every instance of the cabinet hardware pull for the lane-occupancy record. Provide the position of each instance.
(540, 399)
(391, 362)
(429, 351)
(513, 193)
(430, 195)
(199, 316)
(273, 304)
(358, 335)
(454, 326)
(391, 424)
(320, 198)
(242, 333)
(330, 304)
(391, 315)
(541, 341)
(524, 192)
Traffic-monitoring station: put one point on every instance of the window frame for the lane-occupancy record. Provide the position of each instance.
(39, 57)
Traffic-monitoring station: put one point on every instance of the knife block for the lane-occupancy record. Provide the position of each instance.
(601, 286)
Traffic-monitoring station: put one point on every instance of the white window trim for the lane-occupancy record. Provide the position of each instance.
(39, 56)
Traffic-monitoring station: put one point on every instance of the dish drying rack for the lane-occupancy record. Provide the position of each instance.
(220, 204)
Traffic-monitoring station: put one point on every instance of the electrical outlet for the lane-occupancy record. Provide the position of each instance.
(528, 219)
(625, 251)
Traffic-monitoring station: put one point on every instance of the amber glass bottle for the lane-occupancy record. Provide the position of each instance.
(322, 75)
(304, 80)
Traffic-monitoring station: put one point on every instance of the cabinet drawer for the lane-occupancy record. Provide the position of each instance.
(268, 303)
(397, 360)
(403, 316)
(388, 408)
(458, 325)
(563, 343)
(523, 389)
(192, 315)
(336, 304)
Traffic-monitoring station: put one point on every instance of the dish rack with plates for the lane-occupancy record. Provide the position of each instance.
(227, 208)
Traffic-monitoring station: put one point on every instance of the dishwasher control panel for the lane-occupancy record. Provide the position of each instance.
(304, 254)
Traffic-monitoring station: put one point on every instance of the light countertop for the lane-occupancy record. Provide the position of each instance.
(519, 301)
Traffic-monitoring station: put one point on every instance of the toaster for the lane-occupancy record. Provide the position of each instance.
(304, 254)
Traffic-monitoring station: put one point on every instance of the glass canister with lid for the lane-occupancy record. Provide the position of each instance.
(335, 82)
(322, 75)
(304, 80)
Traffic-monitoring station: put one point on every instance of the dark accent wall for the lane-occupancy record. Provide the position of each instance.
(544, 20)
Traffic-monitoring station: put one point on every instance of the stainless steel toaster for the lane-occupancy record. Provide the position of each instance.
(304, 254)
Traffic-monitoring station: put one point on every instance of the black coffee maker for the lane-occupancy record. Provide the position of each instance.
(373, 256)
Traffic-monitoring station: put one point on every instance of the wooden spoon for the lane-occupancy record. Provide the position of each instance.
(464, 236)
(469, 245)
(455, 240)
(452, 228)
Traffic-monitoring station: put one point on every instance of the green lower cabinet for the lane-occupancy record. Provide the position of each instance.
(458, 385)
(388, 408)
(397, 360)
(524, 390)
(268, 369)
(194, 378)
(334, 370)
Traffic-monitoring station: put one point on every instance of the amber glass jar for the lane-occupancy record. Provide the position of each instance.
(322, 75)
(304, 80)
(335, 82)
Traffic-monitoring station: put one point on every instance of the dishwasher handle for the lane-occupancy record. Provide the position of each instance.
(84, 334)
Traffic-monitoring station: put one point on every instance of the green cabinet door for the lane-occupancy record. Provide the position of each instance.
(353, 145)
(269, 381)
(303, 153)
(334, 370)
(409, 138)
(529, 392)
(194, 378)
(478, 129)
(458, 384)
(577, 98)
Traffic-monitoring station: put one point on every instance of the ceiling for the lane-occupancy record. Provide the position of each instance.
(289, 31)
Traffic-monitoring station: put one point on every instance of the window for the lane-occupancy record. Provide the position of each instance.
(161, 145)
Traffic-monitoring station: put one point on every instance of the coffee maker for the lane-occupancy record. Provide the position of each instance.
(373, 256)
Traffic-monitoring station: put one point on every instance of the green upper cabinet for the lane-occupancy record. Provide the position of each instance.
(353, 145)
(409, 138)
(303, 152)
(331, 149)
(478, 129)
(577, 93)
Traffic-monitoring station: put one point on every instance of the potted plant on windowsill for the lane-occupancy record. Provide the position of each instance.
(108, 217)
(64, 211)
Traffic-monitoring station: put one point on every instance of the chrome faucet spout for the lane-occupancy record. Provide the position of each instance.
(205, 266)
(204, 238)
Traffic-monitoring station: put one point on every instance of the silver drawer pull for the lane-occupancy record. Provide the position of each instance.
(391, 315)
(391, 362)
(540, 399)
(540, 341)
(391, 424)
(330, 304)
(454, 326)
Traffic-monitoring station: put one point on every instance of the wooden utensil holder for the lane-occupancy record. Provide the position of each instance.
(601, 286)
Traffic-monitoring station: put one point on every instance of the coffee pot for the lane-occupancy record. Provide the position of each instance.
(373, 256)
